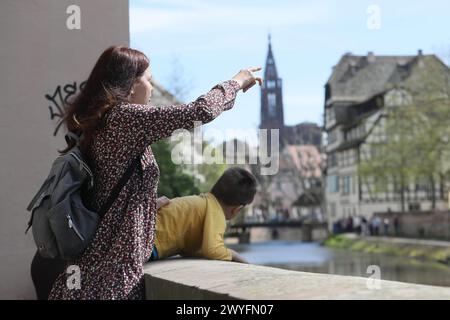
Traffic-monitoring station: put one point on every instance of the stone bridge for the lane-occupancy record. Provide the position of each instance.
(241, 230)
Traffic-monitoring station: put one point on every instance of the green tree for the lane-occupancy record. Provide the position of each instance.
(431, 117)
(173, 182)
(386, 159)
(208, 174)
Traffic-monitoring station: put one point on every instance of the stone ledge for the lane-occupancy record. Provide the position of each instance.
(194, 279)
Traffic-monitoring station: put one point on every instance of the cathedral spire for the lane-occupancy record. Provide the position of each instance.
(271, 69)
(271, 94)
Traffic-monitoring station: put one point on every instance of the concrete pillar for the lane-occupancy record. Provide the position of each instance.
(44, 58)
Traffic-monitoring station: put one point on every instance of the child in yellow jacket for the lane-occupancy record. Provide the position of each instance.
(195, 225)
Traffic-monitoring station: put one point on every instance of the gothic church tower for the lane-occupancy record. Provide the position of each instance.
(271, 96)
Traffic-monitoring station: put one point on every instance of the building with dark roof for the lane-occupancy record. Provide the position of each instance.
(357, 94)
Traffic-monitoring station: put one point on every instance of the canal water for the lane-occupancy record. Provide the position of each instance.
(312, 257)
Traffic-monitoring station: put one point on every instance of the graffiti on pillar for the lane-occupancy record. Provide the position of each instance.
(59, 98)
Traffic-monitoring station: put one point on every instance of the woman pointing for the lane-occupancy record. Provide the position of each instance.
(118, 124)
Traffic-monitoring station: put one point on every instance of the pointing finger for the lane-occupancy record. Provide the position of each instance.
(254, 69)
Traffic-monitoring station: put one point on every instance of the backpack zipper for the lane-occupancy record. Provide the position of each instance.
(72, 226)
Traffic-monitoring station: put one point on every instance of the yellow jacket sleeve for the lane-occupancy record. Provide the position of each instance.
(213, 246)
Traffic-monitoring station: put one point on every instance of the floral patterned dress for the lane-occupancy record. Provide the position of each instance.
(112, 265)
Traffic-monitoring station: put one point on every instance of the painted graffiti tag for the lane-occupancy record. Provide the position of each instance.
(59, 98)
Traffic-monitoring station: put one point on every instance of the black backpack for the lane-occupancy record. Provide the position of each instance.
(63, 226)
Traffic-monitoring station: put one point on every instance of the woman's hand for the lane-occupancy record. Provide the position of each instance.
(246, 79)
(161, 202)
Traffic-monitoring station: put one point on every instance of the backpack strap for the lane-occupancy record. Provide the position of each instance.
(72, 135)
(123, 180)
(115, 192)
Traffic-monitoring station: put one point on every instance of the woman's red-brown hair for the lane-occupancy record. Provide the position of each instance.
(109, 83)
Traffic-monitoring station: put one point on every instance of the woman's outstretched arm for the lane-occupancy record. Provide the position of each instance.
(148, 124)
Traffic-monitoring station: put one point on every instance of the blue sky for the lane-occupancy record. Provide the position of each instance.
(212, 40)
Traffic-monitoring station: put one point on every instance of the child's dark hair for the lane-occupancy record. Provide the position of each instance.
(235, 187)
